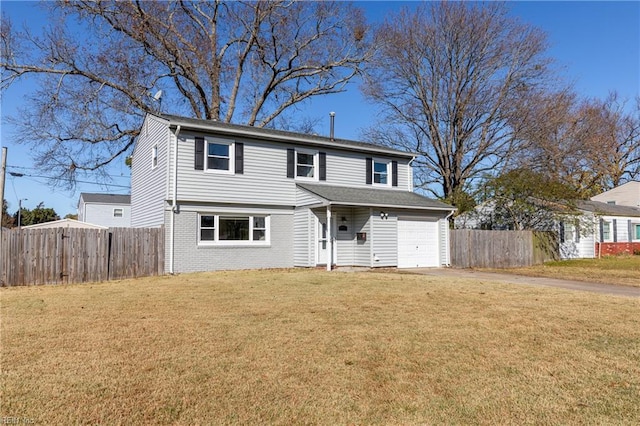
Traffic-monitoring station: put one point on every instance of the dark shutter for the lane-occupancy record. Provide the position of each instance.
(199, 154)
(615, 230)
(562, 232)
(601, 230)
(577, 225)
(369, 170)
(322, 159)
(239, 151)
(394, 173)
(630, 230)
(291, 163)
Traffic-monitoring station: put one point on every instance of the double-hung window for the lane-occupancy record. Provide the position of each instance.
(117, 212)
(637, 229)
(219, 156)
(380, 172)
(233, 229)
(606, 231)
(305, 164)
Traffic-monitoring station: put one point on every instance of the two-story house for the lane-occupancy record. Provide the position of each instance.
(240, 197)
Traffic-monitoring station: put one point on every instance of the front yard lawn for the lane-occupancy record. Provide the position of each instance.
(621, 270)
(311, 347)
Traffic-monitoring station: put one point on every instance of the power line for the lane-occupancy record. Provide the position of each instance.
(69, 180)
(34, 168)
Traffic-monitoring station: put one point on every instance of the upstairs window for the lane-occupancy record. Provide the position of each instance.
(380, 172)
(305, 164)
(218, 156)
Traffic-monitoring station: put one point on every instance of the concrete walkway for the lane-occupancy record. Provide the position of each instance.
(611, 289)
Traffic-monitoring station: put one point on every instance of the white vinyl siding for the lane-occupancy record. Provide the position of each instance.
(384, 239)
(148, 183)
(362, 250)
(104, 214)
(264, 180)
(304, 237)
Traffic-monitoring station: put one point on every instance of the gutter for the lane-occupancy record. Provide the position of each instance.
(174, 203)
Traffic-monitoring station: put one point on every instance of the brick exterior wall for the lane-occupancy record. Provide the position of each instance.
(189, 257)
(613, 249)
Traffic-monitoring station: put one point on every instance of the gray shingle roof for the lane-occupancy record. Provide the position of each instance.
(608, 209)
(373, 197)
(89, 197)
(281, 135)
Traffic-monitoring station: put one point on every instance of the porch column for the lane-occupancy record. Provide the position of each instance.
(329, 237)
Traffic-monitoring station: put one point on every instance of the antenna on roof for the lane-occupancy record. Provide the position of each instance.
(332, 116)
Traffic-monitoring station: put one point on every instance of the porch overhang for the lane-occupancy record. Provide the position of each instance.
(328, 195)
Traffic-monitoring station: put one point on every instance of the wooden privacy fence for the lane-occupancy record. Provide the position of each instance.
(473, 248)
(75, 255)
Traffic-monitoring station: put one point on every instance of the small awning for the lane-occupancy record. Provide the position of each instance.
(373, 197)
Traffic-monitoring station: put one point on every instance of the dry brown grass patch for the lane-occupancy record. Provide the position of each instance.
(299, 346)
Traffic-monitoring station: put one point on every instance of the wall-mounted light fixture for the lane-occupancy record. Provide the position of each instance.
(384, 215)
(343, 219)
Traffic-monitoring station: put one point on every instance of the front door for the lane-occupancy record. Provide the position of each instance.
(323, 241)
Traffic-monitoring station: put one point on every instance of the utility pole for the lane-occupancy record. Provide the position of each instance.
(3, 172)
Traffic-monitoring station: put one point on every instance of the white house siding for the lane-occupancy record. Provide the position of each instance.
(304, 229)
(345, 240)
(444, 241)
(190, 257)
(305, 198)
(102, 214)
(148, 185)
(362, 250)
(264, 180)
(384, 234)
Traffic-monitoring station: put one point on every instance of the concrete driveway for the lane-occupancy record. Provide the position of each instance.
(611, 289)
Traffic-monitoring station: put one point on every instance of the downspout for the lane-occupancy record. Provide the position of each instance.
(449, 238)
(174, 202)
(330, 254)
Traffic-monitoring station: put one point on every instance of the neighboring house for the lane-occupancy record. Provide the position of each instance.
(64, 223)
(627, 194)
(109, 210)
(240, 197)
(594, 230)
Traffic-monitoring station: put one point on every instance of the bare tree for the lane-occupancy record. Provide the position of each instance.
(100, 62)
(590, 145)
(447, 78)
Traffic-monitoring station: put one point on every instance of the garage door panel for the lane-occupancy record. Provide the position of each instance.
(417, 244)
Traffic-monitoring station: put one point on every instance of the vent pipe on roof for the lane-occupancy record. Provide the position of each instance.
(332, 117)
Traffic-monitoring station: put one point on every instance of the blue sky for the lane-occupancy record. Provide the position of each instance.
(596, 45)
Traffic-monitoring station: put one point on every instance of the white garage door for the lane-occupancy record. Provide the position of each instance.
(417, 244)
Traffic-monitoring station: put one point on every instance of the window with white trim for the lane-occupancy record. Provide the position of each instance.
(606, 231)
(154, 156)
(381, 172)
(219, 155)
(118, 212)
(305, 164)
(637, 231)
(233, 229)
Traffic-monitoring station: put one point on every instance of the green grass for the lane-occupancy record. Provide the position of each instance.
(620, 270)
(311, 347)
